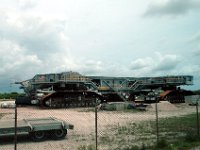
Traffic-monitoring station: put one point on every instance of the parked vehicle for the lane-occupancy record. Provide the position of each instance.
(37, 128)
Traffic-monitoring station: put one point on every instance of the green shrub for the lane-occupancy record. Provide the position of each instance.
(191, 137)
(162, 143)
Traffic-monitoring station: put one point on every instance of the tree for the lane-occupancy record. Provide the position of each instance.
(12, 95)
(197, 92)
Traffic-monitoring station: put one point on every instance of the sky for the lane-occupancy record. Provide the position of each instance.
(136, 38)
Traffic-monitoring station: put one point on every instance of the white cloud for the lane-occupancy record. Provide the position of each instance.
(194, 40)
(96, 37)
(90, 67)
(27, 4)
(15, 59)
(32, 45)
(159, 64)
(166, 62)
(141, 63)
(36, 35)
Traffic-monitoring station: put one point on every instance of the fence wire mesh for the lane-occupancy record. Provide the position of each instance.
(110, 129)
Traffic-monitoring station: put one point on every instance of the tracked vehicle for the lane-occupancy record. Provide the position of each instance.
(71, 89)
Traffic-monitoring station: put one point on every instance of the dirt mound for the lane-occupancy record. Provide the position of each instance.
(164, 106)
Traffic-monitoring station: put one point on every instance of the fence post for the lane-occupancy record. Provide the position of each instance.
(96, 141)
(157, 129)
(15, 138)
(197, 112)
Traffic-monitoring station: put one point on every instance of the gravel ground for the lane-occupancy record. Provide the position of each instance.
(83, 120)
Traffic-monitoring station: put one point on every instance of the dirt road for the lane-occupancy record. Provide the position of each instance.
(83, 120)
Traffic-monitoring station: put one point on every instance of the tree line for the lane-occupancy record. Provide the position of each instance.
(197, 92)
(12, 95)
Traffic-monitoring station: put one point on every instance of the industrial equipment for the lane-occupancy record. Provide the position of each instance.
(71, 89)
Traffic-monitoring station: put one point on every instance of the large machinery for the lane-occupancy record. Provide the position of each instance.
(71, 89)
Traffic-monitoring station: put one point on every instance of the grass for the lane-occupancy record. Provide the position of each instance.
(184, 123)
(174, 133)
(185, 144)
(86, 147)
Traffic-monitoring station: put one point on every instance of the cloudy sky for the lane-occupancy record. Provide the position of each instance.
(99, 37)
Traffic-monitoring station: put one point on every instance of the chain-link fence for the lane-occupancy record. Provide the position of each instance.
(160, 124)
(114, 126)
